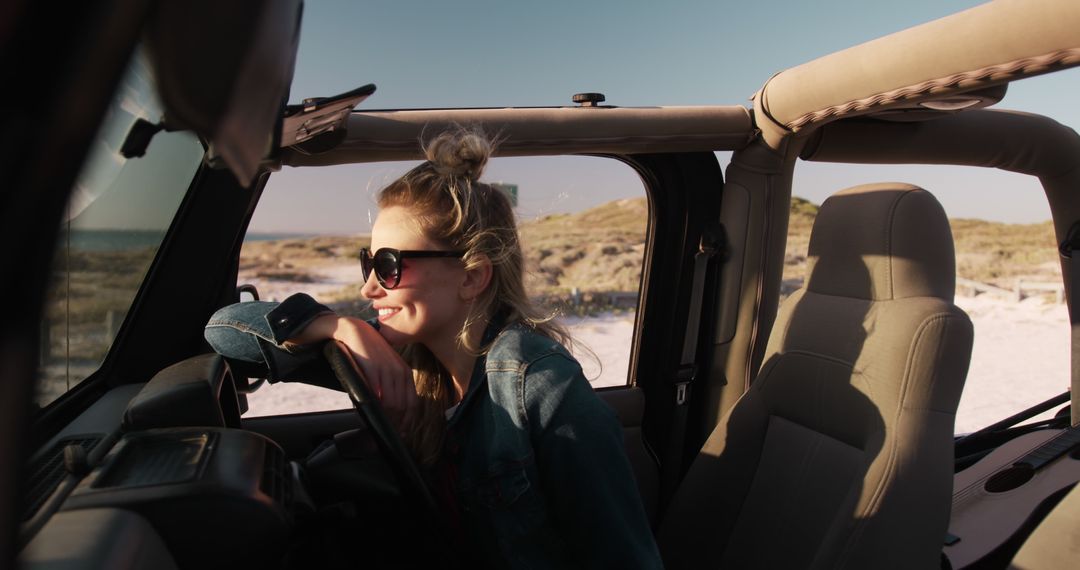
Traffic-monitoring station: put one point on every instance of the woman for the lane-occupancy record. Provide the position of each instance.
(476, 378)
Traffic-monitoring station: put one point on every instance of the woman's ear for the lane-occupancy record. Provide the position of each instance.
(477, 279)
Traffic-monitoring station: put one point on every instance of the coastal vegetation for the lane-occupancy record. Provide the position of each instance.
(993, 253)
(601, 250)
(582, 262)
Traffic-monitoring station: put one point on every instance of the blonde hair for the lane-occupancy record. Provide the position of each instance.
(450, 206)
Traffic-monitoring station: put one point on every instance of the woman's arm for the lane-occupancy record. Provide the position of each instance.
(386, 373)
(284, 339)
(257, 336)
(585, 473)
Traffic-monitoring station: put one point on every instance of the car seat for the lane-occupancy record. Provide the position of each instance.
(840, 455)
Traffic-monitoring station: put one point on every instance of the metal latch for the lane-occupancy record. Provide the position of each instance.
(680, 392)
(683, 377)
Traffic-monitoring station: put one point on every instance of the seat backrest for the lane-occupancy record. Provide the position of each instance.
(840, 453)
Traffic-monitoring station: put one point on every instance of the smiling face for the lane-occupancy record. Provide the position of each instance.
(427, 306)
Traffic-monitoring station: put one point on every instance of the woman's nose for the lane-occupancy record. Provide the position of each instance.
(372, 289)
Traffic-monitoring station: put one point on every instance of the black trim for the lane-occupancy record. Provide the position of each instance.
(684, 191)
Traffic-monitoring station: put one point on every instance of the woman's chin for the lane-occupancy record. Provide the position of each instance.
(394, 338)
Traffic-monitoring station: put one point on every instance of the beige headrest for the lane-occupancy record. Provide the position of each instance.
(880, 242)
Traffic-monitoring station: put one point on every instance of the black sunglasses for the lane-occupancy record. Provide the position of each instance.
(387, 263)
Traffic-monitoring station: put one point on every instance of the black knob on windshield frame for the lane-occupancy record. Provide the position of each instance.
(589, 99)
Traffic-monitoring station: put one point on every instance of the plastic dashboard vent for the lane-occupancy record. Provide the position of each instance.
(276, 479)
(157, 459)
(47, 471)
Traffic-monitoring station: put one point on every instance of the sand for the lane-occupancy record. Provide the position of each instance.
(1020, 357)
(326, 279)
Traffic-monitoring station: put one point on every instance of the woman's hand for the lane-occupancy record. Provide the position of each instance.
(387, 374)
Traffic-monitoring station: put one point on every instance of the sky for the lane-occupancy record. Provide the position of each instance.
(476, 53)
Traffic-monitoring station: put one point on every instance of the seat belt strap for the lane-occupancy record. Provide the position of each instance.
(1070, 250)
(712, 243)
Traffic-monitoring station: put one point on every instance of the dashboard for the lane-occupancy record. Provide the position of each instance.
(159, 475)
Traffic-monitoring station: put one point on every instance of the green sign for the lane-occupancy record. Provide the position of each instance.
(511, 192)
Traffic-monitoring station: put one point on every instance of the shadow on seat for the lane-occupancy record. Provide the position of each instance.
(840, 454)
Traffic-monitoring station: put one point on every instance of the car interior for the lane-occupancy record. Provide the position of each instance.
(813, 432)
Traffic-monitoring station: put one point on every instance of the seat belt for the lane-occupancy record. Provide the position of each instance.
(712, 243)
(1070, 250)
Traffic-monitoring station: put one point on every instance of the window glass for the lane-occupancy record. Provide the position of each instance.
(116, 219)
(582, 222)
(1008, 279)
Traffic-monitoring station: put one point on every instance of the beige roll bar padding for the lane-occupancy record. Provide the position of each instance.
(987, 45)
(1010, 140)
(1017, 142)
(396, 135)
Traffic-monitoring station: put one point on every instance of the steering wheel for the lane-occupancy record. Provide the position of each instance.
(386, 436)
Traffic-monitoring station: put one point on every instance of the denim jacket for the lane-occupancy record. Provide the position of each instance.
(542, 477)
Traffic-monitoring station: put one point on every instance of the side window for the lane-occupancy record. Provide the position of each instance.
(582, 221)
(1008, 282)
(116, 220)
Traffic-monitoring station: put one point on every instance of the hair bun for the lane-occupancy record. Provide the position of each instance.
(460, 153)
